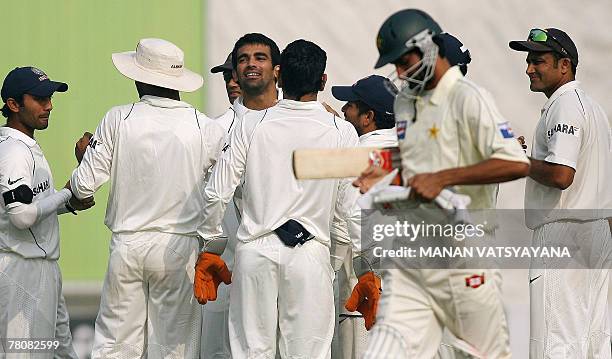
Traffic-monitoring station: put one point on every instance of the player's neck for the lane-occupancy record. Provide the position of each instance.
(304, 98)
(17, 125)
(261, 101)
(442, 66)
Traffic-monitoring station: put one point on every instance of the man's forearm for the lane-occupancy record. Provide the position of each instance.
(486, 172)
(550, 174)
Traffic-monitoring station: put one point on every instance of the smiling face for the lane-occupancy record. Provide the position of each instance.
(254, 71)
(546, 73)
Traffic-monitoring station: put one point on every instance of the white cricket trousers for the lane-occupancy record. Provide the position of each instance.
(32, 305)
(147, 309)
(281, 295)
(569, 307)
(417, 304)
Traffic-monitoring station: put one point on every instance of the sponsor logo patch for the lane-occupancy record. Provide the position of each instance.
(400, 127)
(563, 128)
(93, 143)
(10, 183)
(41, 187)
(475, 281)
(505, 130)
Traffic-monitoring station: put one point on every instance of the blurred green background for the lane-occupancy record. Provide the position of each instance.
(72, 41)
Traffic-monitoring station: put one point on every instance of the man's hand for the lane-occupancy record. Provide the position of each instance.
(81, 146)
(369, 177)
(81, 204)
(330, 109)
(521, 140)
(426, 186)
(210, 271)
(365, 297)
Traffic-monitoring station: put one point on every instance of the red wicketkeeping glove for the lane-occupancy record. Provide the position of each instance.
(364, 298)
(210, 271)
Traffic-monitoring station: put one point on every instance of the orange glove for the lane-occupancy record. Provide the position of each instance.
(364, 298)
(210, 271)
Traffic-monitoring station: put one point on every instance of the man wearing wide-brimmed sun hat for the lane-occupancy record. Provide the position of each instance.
(156, 153)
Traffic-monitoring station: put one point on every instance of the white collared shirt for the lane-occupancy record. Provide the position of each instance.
(156, 153)
(457, 125)
(22, 162)
(573, 131)
(386, 137)
(261, 150)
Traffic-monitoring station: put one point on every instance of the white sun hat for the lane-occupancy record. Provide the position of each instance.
(158, 62)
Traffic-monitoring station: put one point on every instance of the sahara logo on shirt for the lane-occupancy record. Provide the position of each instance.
(93, 143)
(563, 128)
(505, 130)
(41, 187)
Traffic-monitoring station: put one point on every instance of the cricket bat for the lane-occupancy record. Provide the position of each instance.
(320, 163)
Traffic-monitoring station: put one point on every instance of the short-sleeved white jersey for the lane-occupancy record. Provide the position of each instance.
(156, 153)
(457, 124)
(573, 131)
(260, 151)
(22, 162)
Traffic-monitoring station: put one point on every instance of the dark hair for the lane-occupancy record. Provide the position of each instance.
(6, 111)
(381, 119)
(259, 39)
(557, 56)
(302, 67)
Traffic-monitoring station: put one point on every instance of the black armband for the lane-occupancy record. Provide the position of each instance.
(22, 194)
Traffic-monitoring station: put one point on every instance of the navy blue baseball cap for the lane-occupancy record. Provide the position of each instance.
(454, 50)
(375, 91)
(29, 80)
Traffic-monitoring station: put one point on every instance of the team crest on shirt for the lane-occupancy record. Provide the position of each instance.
(400, 127)
(505, 130)
(563, 128)
(475, 281)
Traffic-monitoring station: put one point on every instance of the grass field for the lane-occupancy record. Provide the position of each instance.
(72, 40)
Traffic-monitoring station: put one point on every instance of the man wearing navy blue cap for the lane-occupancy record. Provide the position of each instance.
(31, 297)
(571, 166)
(369, 108)
(453, 50)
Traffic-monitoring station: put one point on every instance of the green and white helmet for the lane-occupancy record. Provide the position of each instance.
(402, 32)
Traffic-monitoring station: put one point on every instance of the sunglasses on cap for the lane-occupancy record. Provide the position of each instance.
(539, 35)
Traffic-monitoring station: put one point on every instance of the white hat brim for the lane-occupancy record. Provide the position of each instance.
(125, 62)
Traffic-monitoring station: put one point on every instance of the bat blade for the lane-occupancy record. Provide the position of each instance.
(321, 163)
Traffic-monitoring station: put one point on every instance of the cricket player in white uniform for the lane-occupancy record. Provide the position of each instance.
(257, 54)
(450, 135)
(369, 108)
(566, 194)
(282, 258)
(31, 298)
(163, 146)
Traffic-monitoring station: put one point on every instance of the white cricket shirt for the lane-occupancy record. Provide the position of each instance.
(574, 131)
(457, 125)
(386, 137)
(156, 153)
(22, 162)
(260, 150)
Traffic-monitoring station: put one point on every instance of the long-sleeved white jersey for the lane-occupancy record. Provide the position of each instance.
(156, 153)
(260, 149)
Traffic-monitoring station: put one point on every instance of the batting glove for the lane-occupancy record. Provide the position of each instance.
(210, 271)
(364, 298)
